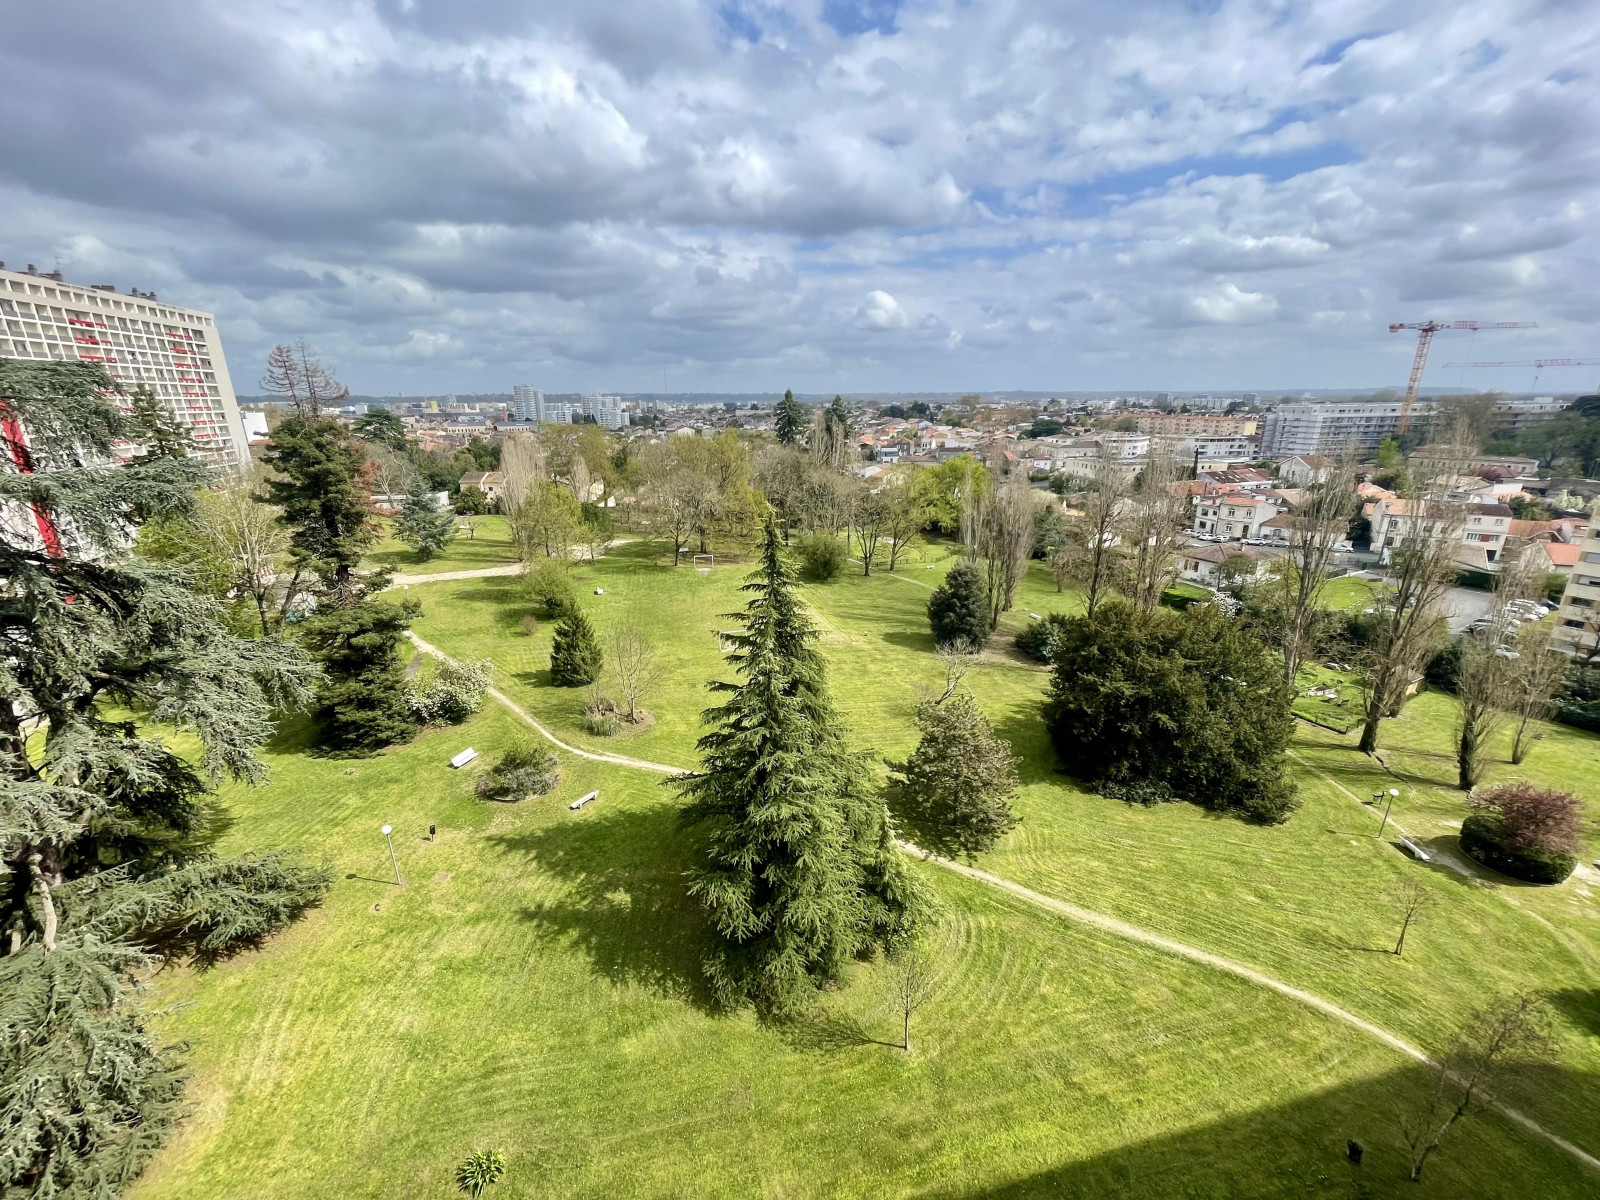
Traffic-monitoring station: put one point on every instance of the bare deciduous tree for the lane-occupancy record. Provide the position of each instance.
(1487, 669)
(957, 658)
(912, 982)
(1540, 671)
(1156, 516)
(635, 662)
(1509, 1028)
(1318, 523)
(1411, 898)
(1422, 568)
(1000, 533)
(1098, 506)
(905, 518)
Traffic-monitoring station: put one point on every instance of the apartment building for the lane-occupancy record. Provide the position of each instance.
(1323, 427)
(606, 410)
(1578, 621)
(1515, 416)
(174, 351)
(527, 402)
(1209, 448)
(1205, 424)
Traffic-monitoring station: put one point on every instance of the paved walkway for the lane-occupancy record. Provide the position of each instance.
(1111, 925)
(440, 577)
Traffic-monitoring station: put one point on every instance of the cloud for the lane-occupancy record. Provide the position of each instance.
(881, 311)
(465, 194)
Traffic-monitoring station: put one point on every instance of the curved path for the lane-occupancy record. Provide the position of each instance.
(1101, 921)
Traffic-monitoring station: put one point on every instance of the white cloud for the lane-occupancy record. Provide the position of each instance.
(1140, 194)
(881, 311)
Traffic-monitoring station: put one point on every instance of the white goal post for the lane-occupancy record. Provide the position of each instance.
(704, 562)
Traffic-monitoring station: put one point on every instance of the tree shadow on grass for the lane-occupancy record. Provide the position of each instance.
(819, 1031)
(1299, 1148)
(626, 903)
(294, 735)
(910, 639)
(1580, 1006)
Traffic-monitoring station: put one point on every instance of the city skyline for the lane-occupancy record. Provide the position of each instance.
(835, 198)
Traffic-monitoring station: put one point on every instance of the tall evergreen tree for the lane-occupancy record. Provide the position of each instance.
(575, 654)
(791, 419)
(316, 482)
(795, 860)
(422, 524)
(360, 704)
(106, 835)
(958, 610)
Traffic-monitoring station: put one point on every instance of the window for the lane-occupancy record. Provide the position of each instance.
(1573, 624)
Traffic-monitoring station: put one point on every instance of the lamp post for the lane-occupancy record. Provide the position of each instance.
(1393, 792)
(387, 830)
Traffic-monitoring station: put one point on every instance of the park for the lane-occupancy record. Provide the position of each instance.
(532, 985)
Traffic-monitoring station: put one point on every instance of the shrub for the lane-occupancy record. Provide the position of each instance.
(958, 610)
(550, 587)
(1145, 704)
(1480, 839)
(477, 1171)
(448, 692)
(1040, 639)
(822, 554)
(1524, 831)
(1444, 668)
(601, 720)
(519, 774)
(575, 655)
(1579, 702)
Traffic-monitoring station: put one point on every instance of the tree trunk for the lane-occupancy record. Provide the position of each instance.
(1369, 730)
(905, 1032)
(1467, 757)
(1519, 744)
(42, 886)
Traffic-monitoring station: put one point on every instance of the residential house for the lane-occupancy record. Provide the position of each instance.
(1302, 470)
(1203, 564)
(1233, 515)
(490, 483)
(1484, 529)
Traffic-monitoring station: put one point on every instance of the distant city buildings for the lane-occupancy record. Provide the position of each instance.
(139, 340)
(606, 410)
(527, 403)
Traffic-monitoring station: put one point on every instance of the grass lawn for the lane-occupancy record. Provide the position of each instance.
(490, 546)
(1340, 704)
(1347, 592)
(533, 985)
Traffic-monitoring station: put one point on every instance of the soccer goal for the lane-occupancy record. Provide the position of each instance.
(704, 562)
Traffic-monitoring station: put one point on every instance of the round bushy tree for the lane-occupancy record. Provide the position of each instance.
(823, 555)
(954, 792)
(958, 610)
(361, 702)
(575, 655)
(1167, 705)
(1524, 831)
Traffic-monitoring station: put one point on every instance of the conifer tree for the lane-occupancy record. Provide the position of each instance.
(955, 789)
(959, 610)
(422, 524)
(575, 655)
(795, 860)
(106, 835)
(361, 703)
(317, 484)
(791, 419)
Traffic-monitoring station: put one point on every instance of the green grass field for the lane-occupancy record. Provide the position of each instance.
(533, 985)
(490, 546)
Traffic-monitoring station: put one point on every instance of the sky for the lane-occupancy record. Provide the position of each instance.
(828, 195)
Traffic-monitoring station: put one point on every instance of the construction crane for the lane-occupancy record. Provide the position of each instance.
(1425, 331)
(1538, 364)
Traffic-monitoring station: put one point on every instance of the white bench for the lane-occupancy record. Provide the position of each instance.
(584, 799)
(463, 758)
(1416, 851)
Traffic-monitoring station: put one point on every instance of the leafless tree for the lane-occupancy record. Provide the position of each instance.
(1096, 528)
(296, 375)
(872, 518)
(911, 979)
(1487, 670)
(999, 534)
(1318, 523)
(1504, 1030)
(905, 518)
(1156, 516)
(1422, 569)
(391, 472)
(470, 525)
(957, 658)
(522, 462)
(634, 660)
(236, 528)
(1540, 671)
(1411, 898)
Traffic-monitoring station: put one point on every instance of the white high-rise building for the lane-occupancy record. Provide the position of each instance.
(527, 402)
(606, 410)
(174, 351)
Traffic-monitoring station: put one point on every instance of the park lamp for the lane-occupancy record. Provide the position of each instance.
(1393, 794)
(394, 862)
